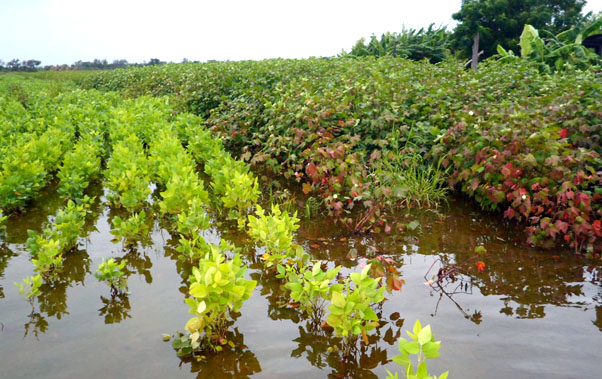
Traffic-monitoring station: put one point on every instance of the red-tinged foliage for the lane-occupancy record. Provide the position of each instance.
(480, 265)
(513, 138)
(540, 162)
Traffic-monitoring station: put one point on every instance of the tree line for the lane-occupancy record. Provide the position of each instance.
(483, 25)
(32, 65)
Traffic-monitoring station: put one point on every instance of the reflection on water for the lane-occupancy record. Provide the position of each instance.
(52, 301)
(238, 362)
(115, 308)
(315, 343)
(517, 283)
(5, 255)
(138, 263)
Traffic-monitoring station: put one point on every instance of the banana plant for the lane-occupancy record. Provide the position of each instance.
(554, 52)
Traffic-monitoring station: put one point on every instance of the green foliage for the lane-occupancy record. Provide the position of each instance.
(131, 229)
(311, 286)
(26, 164)
(180, 190)
(330, 124)
(48, 256)
(61, 235)
(275, 232)
(30, 286)
(217, 289)
(423, 345)
(80, 166)
(127, 174)
(431, 43)
(564, 51)
(175, 169)
(500, 22)
(233, 182)
(111, 272)
(351, 312)
(412, 180)
(193, 220)
(195, 247)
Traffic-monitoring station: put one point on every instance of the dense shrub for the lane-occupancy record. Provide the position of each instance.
(515, 139)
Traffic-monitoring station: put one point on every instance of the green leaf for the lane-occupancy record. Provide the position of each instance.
(425, 335)
(431, 349)
(422, 370)
(401, 360)
(294, 287)
(201, 307)
(280, 269)
(528, 36)
(480, 250)
(416, 329)
(338, 299)
(412, 347)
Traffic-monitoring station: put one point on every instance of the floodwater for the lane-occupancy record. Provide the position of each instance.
(530, 313)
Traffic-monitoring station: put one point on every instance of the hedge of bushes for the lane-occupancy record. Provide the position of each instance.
(518, 141)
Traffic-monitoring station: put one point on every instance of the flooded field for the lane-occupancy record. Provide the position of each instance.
(529, 313)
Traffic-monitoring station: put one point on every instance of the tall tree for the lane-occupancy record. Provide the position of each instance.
(484, 24)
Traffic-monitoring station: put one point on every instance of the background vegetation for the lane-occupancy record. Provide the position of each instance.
(516, 139)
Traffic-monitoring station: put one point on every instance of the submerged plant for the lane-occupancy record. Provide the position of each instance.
(351, 312)
(193, 220)
(217, 289)
(275, 232)
(311, 287)
(131, 229)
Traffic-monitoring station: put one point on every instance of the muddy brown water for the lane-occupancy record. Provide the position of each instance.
(530, 313)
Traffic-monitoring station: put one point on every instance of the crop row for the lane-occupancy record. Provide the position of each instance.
(360, 133)
(142, 144)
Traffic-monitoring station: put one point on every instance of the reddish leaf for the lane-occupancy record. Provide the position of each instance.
(480, 265)
(563, 133)
(562, 226)
(311, 169)
(396, 284)
(597, 226)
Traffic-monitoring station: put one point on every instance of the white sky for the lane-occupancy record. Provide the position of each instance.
(64, 31)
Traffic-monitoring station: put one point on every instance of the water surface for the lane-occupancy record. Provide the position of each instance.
(530, 313)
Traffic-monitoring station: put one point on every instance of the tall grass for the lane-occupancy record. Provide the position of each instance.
(414, 181)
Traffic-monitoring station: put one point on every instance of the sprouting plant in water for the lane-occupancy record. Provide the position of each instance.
(195, 248)
(275, 232)
(217, 289)
(351, 312)
(65, 229)
(131, 229)
(311, 287)
(112, 273)
(193, 220)
(424, 346)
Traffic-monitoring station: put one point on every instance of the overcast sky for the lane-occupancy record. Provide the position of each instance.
(64, 31)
